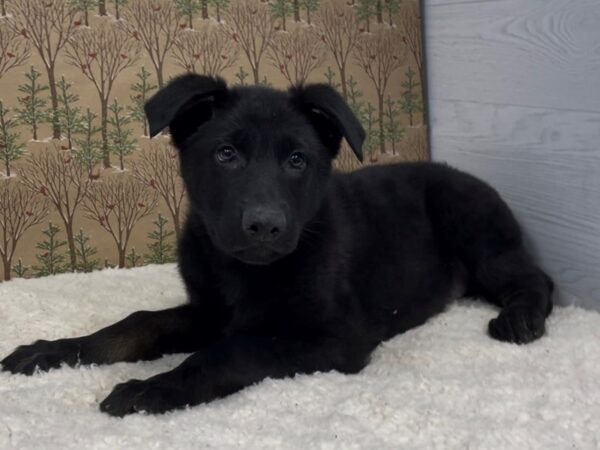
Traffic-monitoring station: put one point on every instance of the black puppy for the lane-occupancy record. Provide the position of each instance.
(291, 269)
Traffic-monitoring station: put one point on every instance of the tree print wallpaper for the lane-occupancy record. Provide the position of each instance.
(83, 187)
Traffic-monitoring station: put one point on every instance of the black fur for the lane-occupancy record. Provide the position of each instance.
(290, 268)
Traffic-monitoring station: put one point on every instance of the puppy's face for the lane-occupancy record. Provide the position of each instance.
(255, 161)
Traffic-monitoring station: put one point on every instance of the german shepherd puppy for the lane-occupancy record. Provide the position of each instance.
(290, 268)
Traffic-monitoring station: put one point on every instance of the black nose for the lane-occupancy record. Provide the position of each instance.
(263, 224)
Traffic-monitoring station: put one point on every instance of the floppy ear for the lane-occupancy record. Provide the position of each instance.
(330, 115)
(183, 105)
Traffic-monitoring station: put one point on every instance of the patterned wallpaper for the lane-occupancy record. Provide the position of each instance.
(82, 186)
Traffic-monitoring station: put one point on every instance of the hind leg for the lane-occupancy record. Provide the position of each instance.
(523, 291)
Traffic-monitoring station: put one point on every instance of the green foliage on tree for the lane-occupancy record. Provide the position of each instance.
(85, 253)
(410, 103)
(20, 269)
(120, 141)
(34, 110)
(330, 77)
(10, 147)
(220, 6)
(394, 133)
(89, 150)
(84, 6)
(51, 259)
(133, 259)
(310, 7)
(188, 8)
(142, 89)
(69, 116)
(281, 9)
(118, 5)
(366, 10)
(391, 7)
(161, 250)
(241, 76)
(372, 129)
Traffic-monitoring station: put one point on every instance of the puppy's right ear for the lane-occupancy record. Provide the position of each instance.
(183, 105)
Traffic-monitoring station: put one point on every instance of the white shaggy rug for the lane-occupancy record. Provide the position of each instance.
(445, 385)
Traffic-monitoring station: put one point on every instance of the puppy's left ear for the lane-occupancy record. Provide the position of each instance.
(183, 105)
(330, 115)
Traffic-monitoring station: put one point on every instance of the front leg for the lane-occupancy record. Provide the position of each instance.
(142, 335)
(231, 365)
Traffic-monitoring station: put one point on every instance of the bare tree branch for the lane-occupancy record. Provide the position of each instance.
(154, 23)
(158, 168)
(208, 50)
(21, 209)
(118, 203)
(296, 54)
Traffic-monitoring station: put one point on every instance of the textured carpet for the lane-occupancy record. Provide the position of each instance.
(444, 385)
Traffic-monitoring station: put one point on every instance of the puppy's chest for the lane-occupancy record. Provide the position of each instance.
(265, 305)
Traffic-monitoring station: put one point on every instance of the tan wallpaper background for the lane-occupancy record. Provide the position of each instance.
(81, 185)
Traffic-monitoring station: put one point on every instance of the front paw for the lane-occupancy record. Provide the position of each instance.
(41, 355)
(150, 396)
(519, 324)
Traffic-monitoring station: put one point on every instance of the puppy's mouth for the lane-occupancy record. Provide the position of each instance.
(259, 255)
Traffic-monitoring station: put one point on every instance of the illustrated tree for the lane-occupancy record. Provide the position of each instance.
(51, 260)
(297, 54)
(84, 6)
(85, 253)
(102, 8)
(241, 76)
(162, 251)
(158, 168)
(371, 128)
(142, 89)
(281, 9)
(54, 174)
(21, 210)
(209, 50)
(102, 53)
(133, 258)
(69, 116)
(394, 133)
(34, 109)
(14, 51)
(416, 145)
(117, 205)
(391, 7)
(154, 23)
(379, 54)
(410, 103)
(310, 7)
(188, 8)
(118, 5)
(220, 6)
(89, 151)
(249, 24)
(20, 269)
(11, 148)
(48, 30)
(340, 31)
(410, 26)
(365, 11)
(330, 77)
(3, 8)
(119, 136)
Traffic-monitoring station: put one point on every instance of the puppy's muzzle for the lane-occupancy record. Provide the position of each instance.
(263, 225)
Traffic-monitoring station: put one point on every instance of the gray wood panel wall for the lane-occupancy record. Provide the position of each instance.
(514, 98)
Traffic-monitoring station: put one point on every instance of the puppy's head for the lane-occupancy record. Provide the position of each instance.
(255, 161)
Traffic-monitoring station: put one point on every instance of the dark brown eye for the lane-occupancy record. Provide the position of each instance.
(297, 161)
(226, 155)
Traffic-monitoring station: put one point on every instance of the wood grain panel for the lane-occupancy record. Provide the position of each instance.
(543, 53)
(546, 164)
